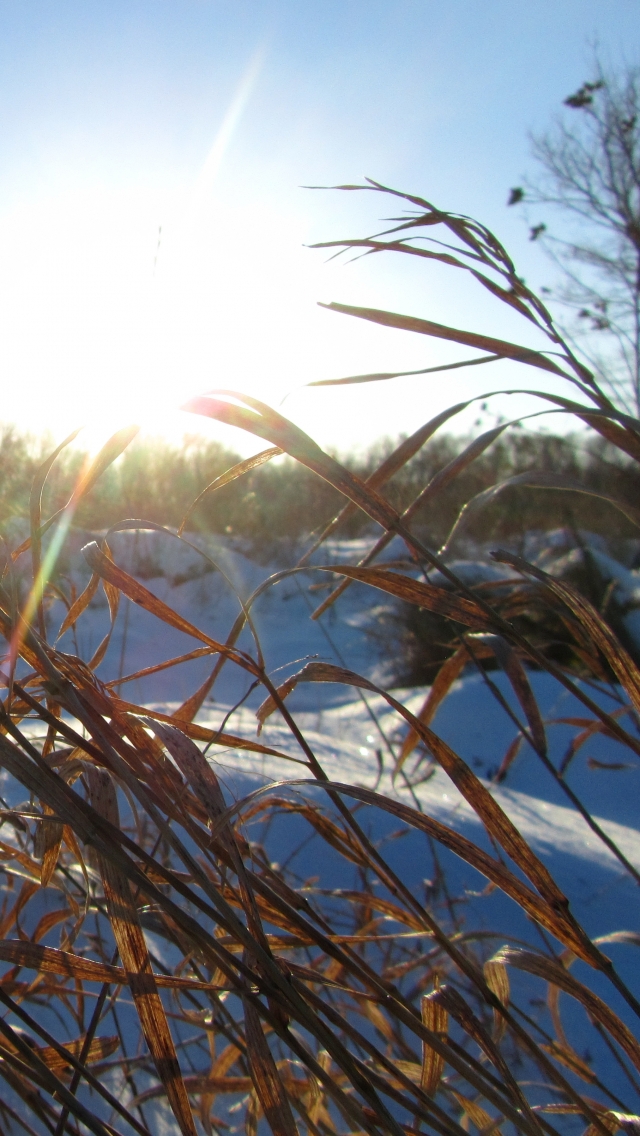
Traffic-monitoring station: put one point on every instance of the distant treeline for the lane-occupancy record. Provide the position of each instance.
(282, 500)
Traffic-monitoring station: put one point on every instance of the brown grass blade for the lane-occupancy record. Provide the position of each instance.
(317, 1108)
(79, 605)
(203, 781)
(50, 960)
(553, 972)
(99, 1050)
(436, 1018)
(513, 749)
(28, 889)
(614, 1121)
(429, 596)
(605, 421)
(145, 672)
(30, 1070)
(477, 1115)
(22, 858)
(200, 1084)
(338, 837)
(496, 977)
(196, 770)
(39, 481)
(49, 920)
(264, 1074)
(506, 295)
(252, 1115)
(509, 661)
(111, 450)
(381, 376)
(436, 485)
(113, 601)
(107, 570)
(203, 734)
(498, 347)
(135, 957)
(271, 703)
(487, 808)
(462, 1013)
(49, 840)
(403, 453)
(230, 475)
(107, 455)
(440, 687)
(489, 867)
(93, 833)
(187, 711)
(227, 1059)
(623, 439)
(73, 1055)
(591, 621)
(268, 424)
(111, 592)
(569, 1058)
(385, 906)
(219, 900)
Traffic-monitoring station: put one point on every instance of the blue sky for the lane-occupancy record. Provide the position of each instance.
(203, 118)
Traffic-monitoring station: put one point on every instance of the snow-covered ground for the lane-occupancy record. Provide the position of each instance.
(190, 583)
(349, 741)
(350, 732)
(356, 736)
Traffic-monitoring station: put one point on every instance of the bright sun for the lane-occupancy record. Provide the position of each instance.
(108, 319)
(119, 305)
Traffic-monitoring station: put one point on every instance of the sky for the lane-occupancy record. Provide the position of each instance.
(154, 228)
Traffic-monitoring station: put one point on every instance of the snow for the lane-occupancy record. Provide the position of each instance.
(346, 733)
(350, 734)
(345, 741)
(354, 735)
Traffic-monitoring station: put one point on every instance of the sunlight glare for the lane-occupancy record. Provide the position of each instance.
(121, 302)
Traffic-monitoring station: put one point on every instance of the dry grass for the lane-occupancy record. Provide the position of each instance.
(287, 1005)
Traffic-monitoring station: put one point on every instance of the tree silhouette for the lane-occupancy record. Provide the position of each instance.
(589, 178)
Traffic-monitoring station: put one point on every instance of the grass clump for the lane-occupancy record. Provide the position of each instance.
(162, 969)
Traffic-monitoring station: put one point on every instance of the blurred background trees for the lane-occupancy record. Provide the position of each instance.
(157, 481)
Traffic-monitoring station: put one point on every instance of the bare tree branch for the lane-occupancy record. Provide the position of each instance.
(590, 177)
